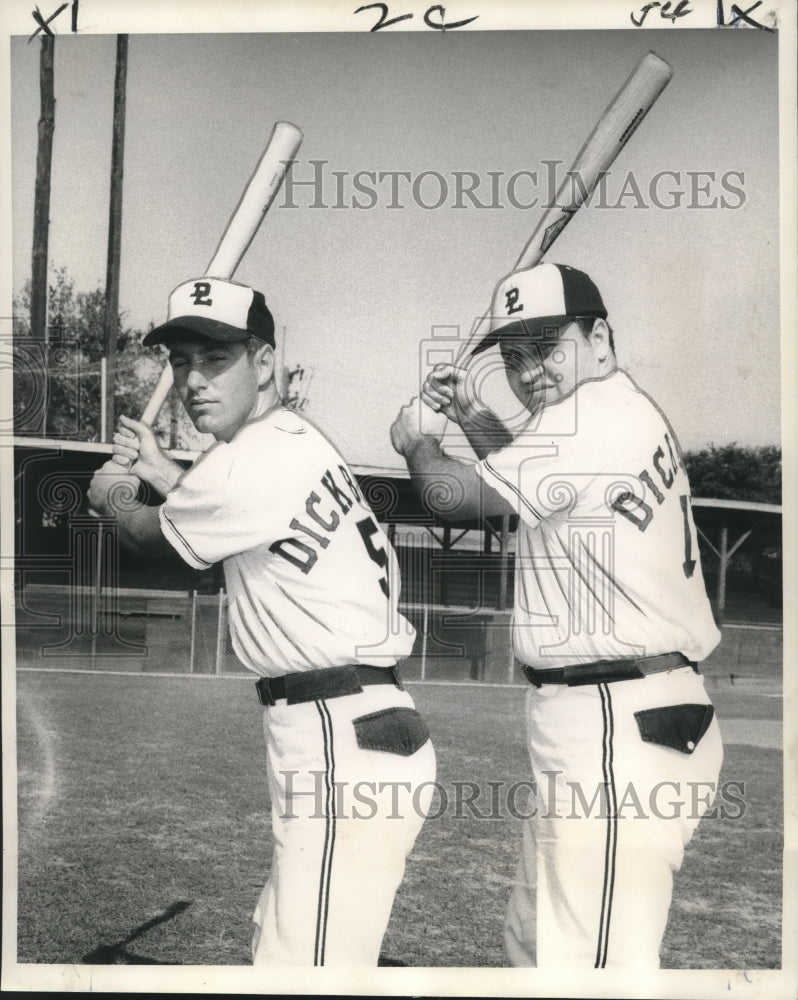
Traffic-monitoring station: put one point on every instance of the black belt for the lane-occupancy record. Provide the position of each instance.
(606, 671)
(329, 682)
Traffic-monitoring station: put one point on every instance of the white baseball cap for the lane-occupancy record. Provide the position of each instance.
(539, 298)
(215, 308)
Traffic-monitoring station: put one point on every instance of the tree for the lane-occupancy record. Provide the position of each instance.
(733, 472)
(57, 384)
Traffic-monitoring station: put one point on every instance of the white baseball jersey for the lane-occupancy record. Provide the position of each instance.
(607, 562)
(312, 580)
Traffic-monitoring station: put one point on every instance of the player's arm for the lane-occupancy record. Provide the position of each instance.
(448, 487)
(136, 449)
(112, 493)
(446, 391)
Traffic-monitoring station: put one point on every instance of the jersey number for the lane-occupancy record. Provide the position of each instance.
(368, 528)
(689, 563)
(640, 514)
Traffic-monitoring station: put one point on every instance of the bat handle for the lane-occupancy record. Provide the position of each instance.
(431, 422)
(158, 397)
(530, 256)
(479, 330)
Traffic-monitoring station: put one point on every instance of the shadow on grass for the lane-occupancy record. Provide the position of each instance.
(117, 954)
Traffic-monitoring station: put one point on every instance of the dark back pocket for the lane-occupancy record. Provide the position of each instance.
(394, 730)
(679, 727)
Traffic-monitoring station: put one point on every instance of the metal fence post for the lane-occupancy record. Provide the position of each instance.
(424, 633)
(193, 631)
(97, 596)
(103, 394)
(219, 631)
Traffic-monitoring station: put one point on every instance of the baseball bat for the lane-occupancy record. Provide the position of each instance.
(253, 205)
(612, 131)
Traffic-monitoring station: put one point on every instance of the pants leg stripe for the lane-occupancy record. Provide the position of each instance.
(612, 828)
(329, 833)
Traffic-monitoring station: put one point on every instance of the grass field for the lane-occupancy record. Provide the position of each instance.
(144, 835)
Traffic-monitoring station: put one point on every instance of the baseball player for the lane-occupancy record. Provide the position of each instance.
(611, 619)
(313, 588)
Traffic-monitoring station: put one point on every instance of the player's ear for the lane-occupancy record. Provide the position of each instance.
(265, 360)
(599, 338)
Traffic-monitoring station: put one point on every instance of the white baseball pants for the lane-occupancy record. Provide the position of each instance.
(612, 816)
(351, 781)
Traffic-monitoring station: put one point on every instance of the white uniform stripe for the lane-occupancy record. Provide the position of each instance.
(612, 827)
(329, 834)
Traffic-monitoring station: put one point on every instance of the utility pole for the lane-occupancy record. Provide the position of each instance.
(41, 215)
(41, 211)
(115, 227)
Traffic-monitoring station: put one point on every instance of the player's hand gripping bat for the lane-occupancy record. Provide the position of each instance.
(255, 202)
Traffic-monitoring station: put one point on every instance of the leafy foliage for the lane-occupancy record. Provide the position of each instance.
(57, 384)
(734, 472)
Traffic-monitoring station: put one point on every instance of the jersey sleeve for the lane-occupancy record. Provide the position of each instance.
(220, 507)
(541, 472)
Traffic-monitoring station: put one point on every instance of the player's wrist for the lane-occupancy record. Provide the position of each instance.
(162, 474)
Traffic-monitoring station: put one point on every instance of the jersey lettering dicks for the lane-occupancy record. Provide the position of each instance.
(591, 543)
(631, 502)
(302, 552)
(635, 508)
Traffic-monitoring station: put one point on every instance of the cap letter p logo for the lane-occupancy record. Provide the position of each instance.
(511, 304)
(201, 293)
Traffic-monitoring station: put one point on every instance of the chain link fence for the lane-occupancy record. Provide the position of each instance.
(60, 626)
(177, 632)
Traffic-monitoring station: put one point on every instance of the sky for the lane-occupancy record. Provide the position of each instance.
(684, 244)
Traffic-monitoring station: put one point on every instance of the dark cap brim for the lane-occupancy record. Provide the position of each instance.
(535, 329)
(209, 328)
